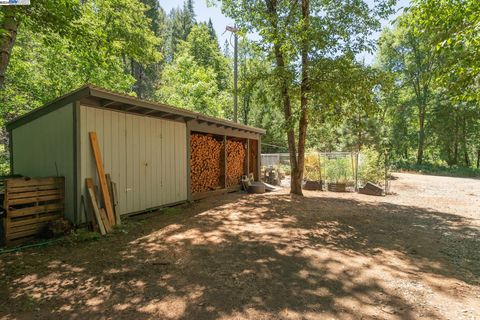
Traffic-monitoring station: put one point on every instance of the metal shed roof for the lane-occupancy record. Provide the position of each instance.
(94, 96)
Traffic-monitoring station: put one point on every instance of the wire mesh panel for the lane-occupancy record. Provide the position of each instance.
(343, 170)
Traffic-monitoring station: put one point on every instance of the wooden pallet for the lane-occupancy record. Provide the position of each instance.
(30, 204)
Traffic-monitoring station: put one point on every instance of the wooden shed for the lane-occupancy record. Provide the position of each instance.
(145, 147)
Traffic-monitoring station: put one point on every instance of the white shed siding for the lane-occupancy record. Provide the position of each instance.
(45, 147)
(145, 156)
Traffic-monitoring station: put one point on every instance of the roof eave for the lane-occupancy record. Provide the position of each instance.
(92, 91)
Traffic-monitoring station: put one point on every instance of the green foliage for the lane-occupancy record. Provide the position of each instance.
(454, 26)
(434, 169)
(313, 166)
(339, 170)
(371, 166)
(180, 23)
(171, 211)
(4, 162)
(197, 77)
(432, 55)
(45, 66)
(82, 236)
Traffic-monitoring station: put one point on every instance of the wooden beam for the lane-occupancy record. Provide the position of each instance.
(221, 130)
(106, 103)
(172, 117)
(101, 177)
(129, 107)
(248, 157)
(225, 161)
(152, 111)
(189, 174)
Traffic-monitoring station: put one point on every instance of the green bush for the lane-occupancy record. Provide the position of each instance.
(313, 167)
(339, 170)
(371, 166)
(4, 161)
(285, 169)
(440, 170)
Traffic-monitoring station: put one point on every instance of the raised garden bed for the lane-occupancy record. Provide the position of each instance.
(313, 185)
(337, 187)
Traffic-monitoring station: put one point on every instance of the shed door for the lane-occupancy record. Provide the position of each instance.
(156, 162)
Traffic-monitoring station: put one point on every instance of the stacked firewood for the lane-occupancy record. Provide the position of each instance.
(205, 162)
(235, 162)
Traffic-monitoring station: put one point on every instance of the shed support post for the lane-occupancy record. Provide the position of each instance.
(259, 158)
(248, 158)
(225, 161)
(189, 175)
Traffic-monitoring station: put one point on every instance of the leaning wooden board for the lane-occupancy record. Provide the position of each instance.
(113, 194)
(93, 205)
(104, 189)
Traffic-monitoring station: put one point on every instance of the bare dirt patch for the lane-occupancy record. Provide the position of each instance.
(275, 256)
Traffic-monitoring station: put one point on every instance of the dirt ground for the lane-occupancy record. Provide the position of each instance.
(412, 255)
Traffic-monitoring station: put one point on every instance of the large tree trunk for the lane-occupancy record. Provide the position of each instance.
(287, 112)
(297, 176)
(7, 40)
(287, 105)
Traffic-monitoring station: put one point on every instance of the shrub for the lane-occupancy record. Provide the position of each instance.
(4, 161)
(313, 167)
(371, 166)
(339, 170)
(434, 169)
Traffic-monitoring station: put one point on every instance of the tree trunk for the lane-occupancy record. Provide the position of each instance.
(464, 142)
(421, 134)
(478, 158)
(297, 178)
(287, 105)
(455, 143)
(7, 40)
(287, 111)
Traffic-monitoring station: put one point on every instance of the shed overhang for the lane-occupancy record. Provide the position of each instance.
(96, 97)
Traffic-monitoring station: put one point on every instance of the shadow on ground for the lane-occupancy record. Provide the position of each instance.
(251, 256)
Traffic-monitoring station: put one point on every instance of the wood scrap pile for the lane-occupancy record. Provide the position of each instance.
(235, 162)
(205, 162)
(101, 218)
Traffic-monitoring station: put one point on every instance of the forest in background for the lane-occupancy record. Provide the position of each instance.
(415, 106)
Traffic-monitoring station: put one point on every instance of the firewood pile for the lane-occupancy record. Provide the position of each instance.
(205, 162)
(235, 162)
